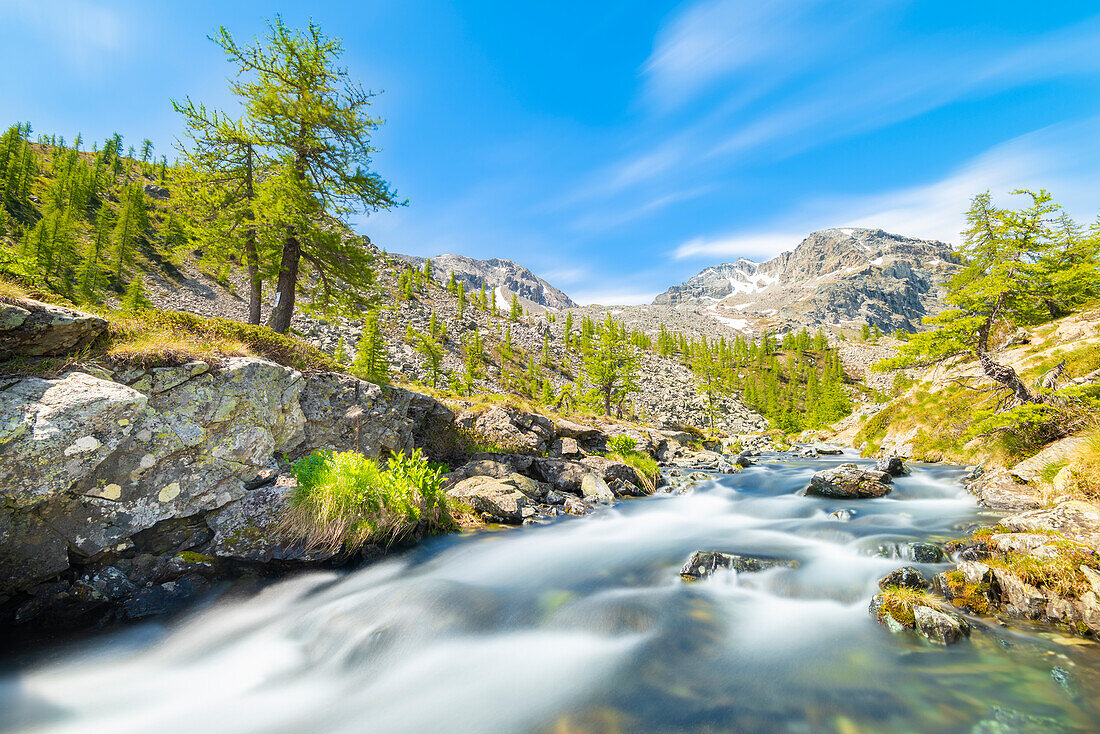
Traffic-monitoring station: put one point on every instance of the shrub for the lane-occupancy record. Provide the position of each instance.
(621, 444)
(345, 500)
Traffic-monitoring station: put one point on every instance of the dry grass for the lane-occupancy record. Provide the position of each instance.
(1059, 573)
(1082, 473)
(898, 602)
(139, 341)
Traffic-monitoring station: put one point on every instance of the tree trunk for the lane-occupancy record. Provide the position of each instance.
(288, 281)
(607, 403)
(1007, 377)
(251, 257)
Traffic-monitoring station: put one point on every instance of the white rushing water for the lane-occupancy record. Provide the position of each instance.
(579, 625)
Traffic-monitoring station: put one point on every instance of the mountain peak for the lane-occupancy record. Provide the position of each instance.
(836, 275)
(505, 277)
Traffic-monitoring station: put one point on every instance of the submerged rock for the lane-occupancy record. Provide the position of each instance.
(913, 551)
(848, 481)
(704, 563)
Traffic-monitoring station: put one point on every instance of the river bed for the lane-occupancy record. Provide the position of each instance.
(583, 625)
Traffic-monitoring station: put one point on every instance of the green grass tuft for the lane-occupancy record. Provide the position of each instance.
(345, 500)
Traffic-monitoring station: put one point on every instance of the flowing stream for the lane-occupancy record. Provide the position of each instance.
(583, 625)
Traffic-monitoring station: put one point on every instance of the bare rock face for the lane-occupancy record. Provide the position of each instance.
(504, 276)
(1074, 518)
(173, 459)
(848, 481)
(1000, 490)
(832, 276)
(37, 329)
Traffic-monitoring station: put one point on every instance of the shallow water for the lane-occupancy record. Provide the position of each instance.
(583, 625)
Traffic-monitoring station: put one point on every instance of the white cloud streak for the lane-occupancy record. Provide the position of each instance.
(84, 33)
(1060, 158)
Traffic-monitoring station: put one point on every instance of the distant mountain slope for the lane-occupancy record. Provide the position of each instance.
(835, 276)
(504, 275)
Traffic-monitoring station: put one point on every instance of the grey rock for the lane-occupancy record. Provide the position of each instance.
(36, 329)
(500, 499)
(848, 481)
(595, 489)
(905, 577)
(892, 465)
(940, 626)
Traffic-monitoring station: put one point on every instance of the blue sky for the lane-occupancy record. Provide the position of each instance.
(619, 147)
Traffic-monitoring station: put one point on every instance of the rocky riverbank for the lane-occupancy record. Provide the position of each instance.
(130, 491)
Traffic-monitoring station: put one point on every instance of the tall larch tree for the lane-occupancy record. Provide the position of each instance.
(313, 118)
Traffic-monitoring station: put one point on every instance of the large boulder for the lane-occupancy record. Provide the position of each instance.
(35, 329)
(1000, 490)
(250, 529)
(1074, 518)
(502, 500)
(890, 464)
(849, 481)
(91, 464)
(348, 414)
(704, 563)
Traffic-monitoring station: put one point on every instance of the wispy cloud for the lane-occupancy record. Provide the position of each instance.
(563, 275)
(613, 296)
(787, 76)
(1060, 158)
(715, 40)
(84, 33)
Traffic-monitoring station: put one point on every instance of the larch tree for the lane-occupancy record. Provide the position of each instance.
(1021, 267)
(217, 186)
(611, 364)
(313, 119)
(371, 361)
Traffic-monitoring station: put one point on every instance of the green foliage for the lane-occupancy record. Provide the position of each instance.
(624, 448)
(135, 300)
(371, 361)
(1021, 267)
(432, 352)
(312, 117)
(345, 500)
(621, 444)
(516, 310)
(611, 364)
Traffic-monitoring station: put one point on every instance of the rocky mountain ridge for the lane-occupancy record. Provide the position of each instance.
(504, 277)
(834, 277)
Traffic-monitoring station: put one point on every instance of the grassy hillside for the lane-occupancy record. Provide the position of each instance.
(951, 414)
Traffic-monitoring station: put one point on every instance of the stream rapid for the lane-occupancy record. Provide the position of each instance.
(584, 625)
